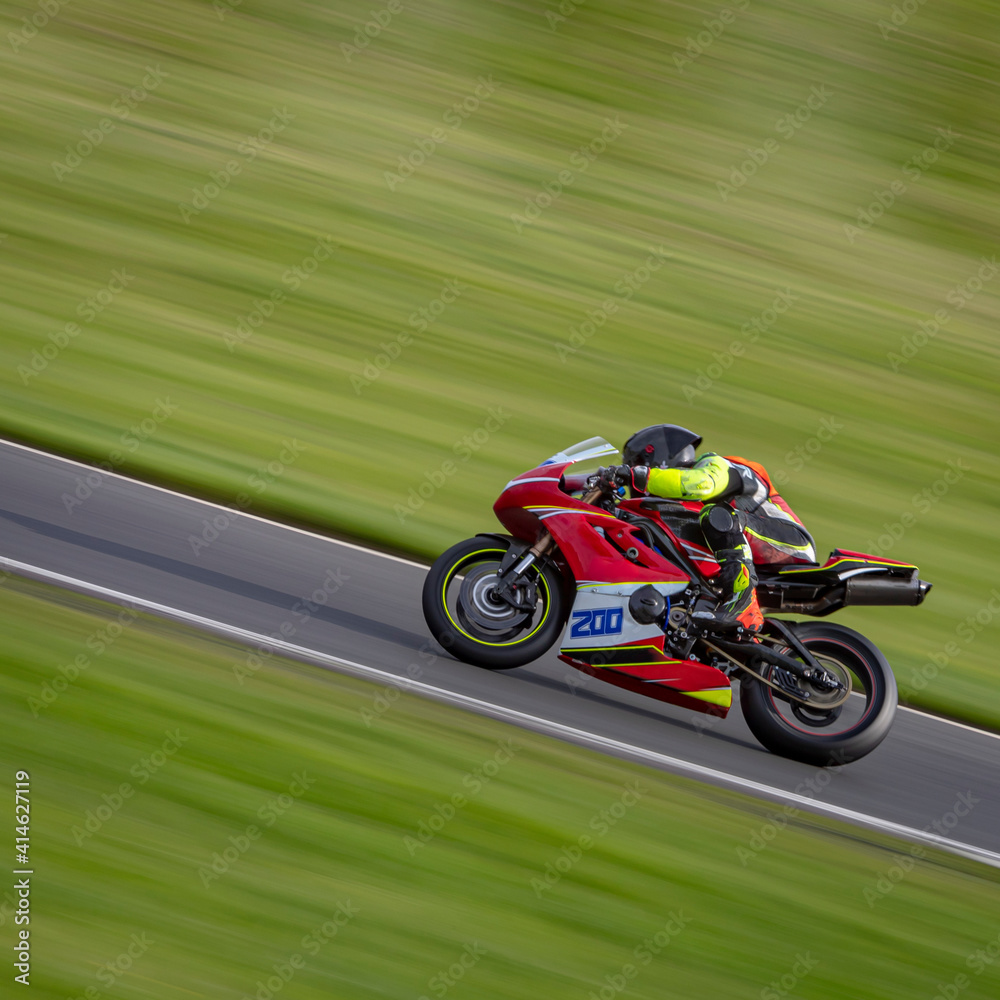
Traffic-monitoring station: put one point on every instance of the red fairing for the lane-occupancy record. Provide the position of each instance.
(695, 676)
(581, 530)
(592, 543)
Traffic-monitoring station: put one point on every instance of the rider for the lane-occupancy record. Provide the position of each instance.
(744, 519)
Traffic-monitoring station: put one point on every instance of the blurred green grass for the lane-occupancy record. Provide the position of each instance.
(351, 842)
(220, 77)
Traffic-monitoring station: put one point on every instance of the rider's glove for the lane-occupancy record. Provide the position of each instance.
(612, 475)
(624, 475)
(607, 475)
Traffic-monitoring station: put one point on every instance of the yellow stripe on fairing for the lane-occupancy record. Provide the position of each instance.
(836, 563)
(604, 649)
(553, 511)
(715, 696)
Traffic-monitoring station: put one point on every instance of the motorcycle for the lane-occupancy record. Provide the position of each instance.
(626, 577)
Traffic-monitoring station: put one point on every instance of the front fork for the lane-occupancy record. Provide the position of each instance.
(512, 586)
(544, 543)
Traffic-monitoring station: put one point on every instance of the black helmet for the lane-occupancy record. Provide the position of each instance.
(661, 445)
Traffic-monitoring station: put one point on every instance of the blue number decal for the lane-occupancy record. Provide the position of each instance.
(596, 622)
(581, 624)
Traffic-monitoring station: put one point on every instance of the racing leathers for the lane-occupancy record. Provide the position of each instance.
(744, 520)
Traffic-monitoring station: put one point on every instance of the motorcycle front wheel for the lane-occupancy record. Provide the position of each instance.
(811, 733)
(471, 622)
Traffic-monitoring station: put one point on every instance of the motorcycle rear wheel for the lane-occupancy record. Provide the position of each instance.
(814, 736)
(466, 620)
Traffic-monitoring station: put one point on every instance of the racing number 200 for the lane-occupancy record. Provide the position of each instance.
(596, 622)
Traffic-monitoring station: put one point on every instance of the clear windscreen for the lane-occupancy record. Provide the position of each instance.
(595, 451)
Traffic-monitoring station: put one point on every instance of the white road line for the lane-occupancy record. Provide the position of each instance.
(211, 503)
(533, 722)
(949, 722)
(363, 548)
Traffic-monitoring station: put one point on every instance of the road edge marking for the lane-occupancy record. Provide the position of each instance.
(370, 551)
(523, 719)
(212, 503)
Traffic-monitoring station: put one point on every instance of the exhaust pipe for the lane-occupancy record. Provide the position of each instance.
(885, 590)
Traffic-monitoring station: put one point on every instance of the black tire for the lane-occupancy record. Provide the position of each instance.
(505, 647)
(831, 642)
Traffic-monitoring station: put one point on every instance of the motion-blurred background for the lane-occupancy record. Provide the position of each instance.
(324, 108)
(359, 263)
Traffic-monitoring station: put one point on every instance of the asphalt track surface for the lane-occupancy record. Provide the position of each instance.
(931, 781)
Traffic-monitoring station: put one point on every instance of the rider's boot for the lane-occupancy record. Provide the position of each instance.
(738, 579)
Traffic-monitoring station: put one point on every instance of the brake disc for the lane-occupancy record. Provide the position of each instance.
(826, 699)
(479, 602)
